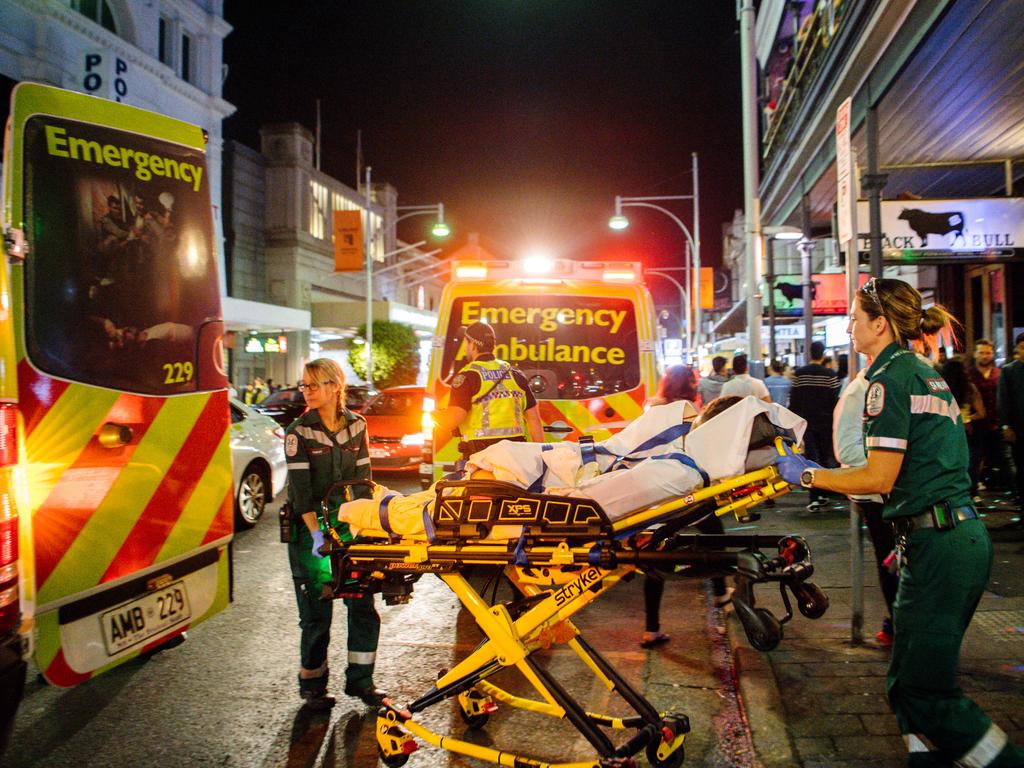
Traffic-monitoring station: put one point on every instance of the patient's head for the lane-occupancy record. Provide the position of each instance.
(715, 407)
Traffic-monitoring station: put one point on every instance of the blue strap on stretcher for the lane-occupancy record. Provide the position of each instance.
(428, 524)
(382, 513)
(519, 555)
(537, 486)
(684, 459)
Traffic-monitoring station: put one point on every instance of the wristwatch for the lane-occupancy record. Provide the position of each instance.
(807, 478)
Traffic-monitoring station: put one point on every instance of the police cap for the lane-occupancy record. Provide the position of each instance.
(482, 335)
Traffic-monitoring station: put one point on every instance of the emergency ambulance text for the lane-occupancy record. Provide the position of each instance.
(549, 318)
(146, 165)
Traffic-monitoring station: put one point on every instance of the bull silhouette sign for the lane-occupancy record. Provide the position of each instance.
(924, 223)
(795, 292)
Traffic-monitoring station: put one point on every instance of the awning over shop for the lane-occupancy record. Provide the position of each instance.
(734, 321)
(349, 315)
(245, 315)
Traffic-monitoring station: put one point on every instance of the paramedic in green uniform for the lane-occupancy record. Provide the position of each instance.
(490, 399)
(917, 453)
(325, 445)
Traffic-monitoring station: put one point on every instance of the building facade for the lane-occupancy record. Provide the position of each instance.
(937, 127)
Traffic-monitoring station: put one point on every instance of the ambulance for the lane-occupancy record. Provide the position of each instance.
(115, 469)
(583, 332)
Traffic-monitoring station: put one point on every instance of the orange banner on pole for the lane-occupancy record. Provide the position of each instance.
(348, 241)
(707, 288)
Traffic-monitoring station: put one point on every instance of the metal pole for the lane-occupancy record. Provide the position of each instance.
(695, 330)
(770, 279)
(751, 181)
(690, 345)
(806, 246)
(873, 182)
(684, 295)
(368, 244)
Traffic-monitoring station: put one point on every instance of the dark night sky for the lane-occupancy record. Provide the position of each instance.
(524, 117)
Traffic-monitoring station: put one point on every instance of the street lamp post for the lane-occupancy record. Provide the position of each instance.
(439, 229)
(619, 222)
(684, 302)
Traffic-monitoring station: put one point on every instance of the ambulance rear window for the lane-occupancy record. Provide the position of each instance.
(121, 285)
(569, 347)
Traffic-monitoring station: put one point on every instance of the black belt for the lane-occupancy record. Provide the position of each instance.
(942, 516)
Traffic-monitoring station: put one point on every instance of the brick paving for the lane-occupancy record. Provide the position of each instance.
(819, 699)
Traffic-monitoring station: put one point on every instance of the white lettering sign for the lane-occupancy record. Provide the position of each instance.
(105, 75)
(965, 225)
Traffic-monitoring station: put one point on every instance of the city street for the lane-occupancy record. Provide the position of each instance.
(227, 697)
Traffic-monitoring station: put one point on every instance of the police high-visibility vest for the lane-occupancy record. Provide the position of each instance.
(498, 407)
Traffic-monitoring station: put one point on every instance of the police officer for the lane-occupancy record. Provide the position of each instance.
(917, 453)
(325, 445)
(490, 399)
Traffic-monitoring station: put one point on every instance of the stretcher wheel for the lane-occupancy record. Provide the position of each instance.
(674, 760)
(392, 761)
(765, 631)
(475, 721)
(810, 599)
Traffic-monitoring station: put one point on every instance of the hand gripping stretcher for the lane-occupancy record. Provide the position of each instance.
(561, 553)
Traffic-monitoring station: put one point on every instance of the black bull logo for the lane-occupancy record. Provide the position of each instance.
(924, 224)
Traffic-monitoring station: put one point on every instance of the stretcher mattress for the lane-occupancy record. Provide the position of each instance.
(657, 458)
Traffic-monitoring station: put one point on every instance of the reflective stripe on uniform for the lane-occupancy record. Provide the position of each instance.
(308, 433)
(362, 657)
(986, 750)
(887, 442)
(298, 465)
(914, 743)
(934, 405)
(356, 428)
(363, 461)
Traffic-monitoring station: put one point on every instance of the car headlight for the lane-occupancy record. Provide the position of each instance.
(416, 439)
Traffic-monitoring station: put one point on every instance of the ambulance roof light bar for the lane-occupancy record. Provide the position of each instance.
(535, 269)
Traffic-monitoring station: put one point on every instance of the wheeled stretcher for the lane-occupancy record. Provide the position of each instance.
(561, 552)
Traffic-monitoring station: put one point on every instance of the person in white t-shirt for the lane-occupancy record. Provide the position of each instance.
(743, 384)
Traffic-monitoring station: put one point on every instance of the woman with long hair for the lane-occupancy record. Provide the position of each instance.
(917, 454)
(327, 444)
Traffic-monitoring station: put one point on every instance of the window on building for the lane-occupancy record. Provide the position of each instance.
(97, 10)
(165, 42)
(186, 59)
(317, 210)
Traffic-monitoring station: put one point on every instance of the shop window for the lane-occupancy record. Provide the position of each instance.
(98, 11)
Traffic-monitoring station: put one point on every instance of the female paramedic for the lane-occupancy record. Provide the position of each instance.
(917, 453)
(327, 444)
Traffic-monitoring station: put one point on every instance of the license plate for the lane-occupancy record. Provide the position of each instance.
(378, 453)
(139, 620)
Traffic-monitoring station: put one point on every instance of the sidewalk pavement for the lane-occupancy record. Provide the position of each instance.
(819, 699)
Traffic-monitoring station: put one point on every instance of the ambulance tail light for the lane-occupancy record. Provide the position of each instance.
(470, 270)
(8, 519)
(614, 273)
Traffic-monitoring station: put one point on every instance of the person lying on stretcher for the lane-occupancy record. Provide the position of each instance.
(660, 456)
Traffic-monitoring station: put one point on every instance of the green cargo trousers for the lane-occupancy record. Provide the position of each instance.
(941, 582)
(309, 575)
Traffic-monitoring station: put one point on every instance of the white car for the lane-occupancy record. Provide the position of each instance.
(258, 464)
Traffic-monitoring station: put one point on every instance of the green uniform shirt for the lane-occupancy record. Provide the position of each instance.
(317, 458)
(909, 408)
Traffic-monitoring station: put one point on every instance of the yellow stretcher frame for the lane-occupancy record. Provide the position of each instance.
(556, 581)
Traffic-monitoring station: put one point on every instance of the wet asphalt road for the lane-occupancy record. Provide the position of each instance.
(227, 697)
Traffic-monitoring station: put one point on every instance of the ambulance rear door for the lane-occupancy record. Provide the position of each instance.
(121, 388)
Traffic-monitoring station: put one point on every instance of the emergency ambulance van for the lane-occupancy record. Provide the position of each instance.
(584, 334)
(115, 468)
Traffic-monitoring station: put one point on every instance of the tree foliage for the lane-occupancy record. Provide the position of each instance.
(396, 354)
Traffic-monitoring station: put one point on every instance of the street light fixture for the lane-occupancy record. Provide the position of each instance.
(439, 229)
(620, 222)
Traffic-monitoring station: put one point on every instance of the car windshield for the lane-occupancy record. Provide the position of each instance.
(282, 397)
(394, 404)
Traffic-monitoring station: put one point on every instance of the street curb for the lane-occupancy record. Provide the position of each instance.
(760, 700)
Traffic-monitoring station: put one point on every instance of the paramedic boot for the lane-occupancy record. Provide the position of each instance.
(313, 692)
(371, 696)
